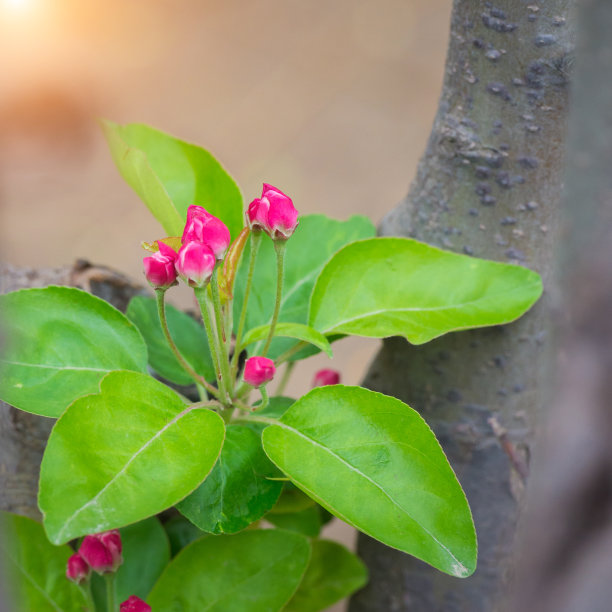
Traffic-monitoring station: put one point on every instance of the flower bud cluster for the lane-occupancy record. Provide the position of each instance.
(206, 239)
(100, 552)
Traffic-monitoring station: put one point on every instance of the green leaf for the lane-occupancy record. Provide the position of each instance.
(146, 552)
(188, 335)
(292, 500)
(373, 462)
(333, 574)
(316, 238)
(169, 174)
(255, 570)
(307, 522)
(182, 532)
(35, 569)
(237, 492)
(399, 287)
(122, 455)
(290, 330)
(60, 342)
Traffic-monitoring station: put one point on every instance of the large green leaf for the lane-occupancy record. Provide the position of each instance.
(237, 492)
(400, 287)
(35, 569)
(59, 343)
(146, 552)
(169, 174)
(255, 570)
(189, 337)
(333, 574)
(373, 462)
(122, 455)
(315, 240)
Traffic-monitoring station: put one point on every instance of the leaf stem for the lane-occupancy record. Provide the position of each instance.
(200, 293)
(222, 334)
(291, 352)
(279, 247)
(111, 604)
(255, 242)
(285, 379)
(161, 311)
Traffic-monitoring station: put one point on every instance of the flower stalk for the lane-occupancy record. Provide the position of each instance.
(279, 247)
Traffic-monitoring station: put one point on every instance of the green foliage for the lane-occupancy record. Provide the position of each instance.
(315, 240)
(35, 569)
(373, 462)
(122, 455)
(333, 574)
(169, 174)
(60, 342)
(290, 330)
(188, 335)
(255, 570)
(237, 492)
(399, 287)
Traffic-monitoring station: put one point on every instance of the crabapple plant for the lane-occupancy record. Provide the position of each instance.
(178, 475)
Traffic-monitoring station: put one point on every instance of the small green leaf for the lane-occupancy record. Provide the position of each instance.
(35, 569)
(307, 521)
(292, 500)
(237, 492)
(123, 455)
(255, 570)
(169, 174)
(60, 342)
(290, 330)
(333, 574)
(373, 462)
(146, 552)
(400, 287)
(315, 240)
(188, 335)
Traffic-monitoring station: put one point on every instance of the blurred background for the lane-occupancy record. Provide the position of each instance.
(330, 101)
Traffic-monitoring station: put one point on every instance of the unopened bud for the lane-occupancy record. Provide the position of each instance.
(326, 377)
(77, 569)
(102, 551)
(134, 604)
(258, 371)
(203, 227)
(273, 213)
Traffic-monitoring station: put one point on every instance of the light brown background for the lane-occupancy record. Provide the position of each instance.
(331, 101)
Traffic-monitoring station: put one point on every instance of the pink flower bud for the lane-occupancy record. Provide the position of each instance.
(326, 377)
(102, 551)
(159, 267)
(195, 263)
(134, 604)
(77, 569)
(203, 227)
(258, 371)
(273, 213)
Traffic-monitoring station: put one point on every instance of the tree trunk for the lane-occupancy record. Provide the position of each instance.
(488, 185)
(567, 552)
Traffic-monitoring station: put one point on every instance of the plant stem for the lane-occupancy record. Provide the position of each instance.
(222, 334)
(285, 379)
(279, 247)
(290, 352)
(111, 605)
(161, 311)
(265, 400)
(200, 293)
(255, 242)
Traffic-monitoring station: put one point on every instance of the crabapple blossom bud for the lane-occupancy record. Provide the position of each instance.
(77, 569)
(203, 227)
(195, 263)
(258, 371)
(102, 551)
(134, 604)
(159, 267)
(326, 377)
(273, 213)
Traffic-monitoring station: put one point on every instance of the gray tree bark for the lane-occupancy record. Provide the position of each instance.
(489, 185)
(566, 563)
